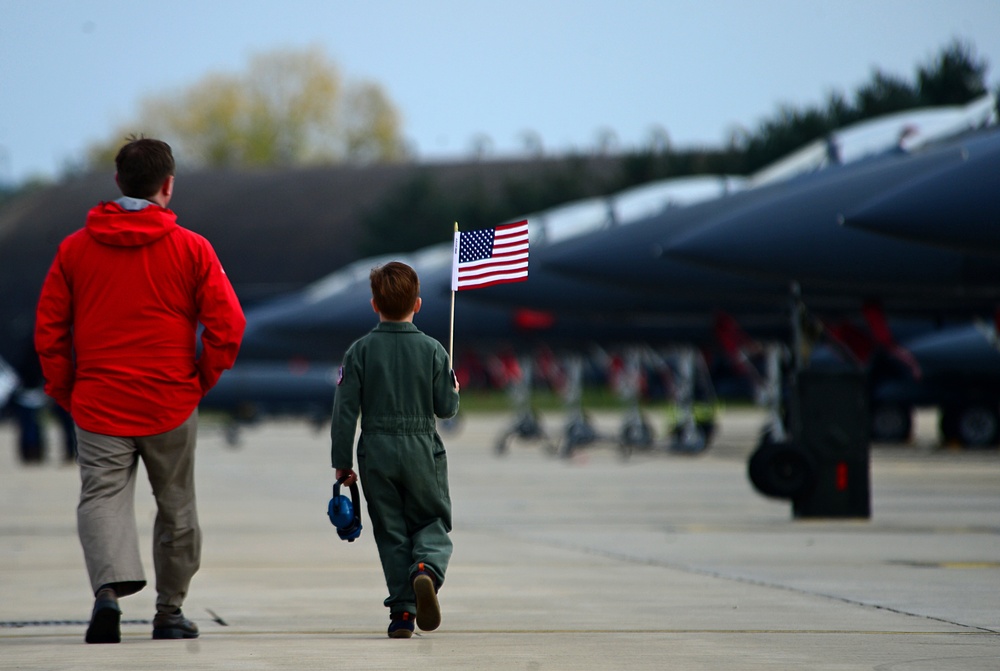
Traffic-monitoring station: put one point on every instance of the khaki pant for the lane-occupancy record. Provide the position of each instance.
(106, 513)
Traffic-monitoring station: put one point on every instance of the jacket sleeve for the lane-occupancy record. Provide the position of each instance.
(54, 336)
(220, 313)
(445, 396)
(346, 410)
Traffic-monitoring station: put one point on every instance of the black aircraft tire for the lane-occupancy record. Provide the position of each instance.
(782, 470)
(978, 425)
(704, 430)
(636, 433)
(891, 423)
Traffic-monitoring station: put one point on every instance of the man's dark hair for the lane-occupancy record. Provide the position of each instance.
(395, 288)
(143, 165)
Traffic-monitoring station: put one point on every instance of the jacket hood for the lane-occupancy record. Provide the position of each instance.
(111, 224)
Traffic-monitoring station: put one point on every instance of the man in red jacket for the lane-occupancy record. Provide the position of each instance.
(116, 333)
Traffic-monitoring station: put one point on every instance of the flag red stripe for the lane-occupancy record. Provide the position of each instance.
(503, 260)
(497, 269)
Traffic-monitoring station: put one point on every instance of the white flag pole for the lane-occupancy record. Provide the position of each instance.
(454, 270)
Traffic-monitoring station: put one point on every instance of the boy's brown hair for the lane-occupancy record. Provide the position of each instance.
(143, 166)
(395, 289)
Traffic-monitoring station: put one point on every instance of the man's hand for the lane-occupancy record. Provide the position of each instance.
(349, 473)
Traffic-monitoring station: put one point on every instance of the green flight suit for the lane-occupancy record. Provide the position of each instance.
(398, 380)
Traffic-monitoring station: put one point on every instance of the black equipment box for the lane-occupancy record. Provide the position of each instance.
(829, 421)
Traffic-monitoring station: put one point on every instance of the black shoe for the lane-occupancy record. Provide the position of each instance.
(173, 625)
(105, 621)
(428, 609)
(400, 625)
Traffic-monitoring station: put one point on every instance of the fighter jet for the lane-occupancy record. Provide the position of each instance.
(745, 247)
(959, 374)
(253, 391)
(635, 256)
(619, 215)
(954, 208)
(796, 236)
(318, 323)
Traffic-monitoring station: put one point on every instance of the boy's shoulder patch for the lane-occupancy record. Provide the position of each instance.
(340, 375)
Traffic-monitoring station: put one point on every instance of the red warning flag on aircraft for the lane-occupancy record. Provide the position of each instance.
(490, 256)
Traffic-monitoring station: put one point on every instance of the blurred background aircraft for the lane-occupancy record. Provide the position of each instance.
(603, 277)
(689, 285)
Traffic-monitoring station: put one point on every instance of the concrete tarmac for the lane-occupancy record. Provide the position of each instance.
(661, 561)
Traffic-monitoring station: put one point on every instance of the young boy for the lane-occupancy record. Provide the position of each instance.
(398, 380)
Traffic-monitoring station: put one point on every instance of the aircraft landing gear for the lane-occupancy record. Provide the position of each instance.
(636, 432)
(691, 434)
(579, 432)
(975, 424)
(891, 423)
(526, 425)
(692, 439)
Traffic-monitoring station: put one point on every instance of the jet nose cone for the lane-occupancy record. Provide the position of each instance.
(956, 208)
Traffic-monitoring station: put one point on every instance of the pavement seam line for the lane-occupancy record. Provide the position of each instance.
(608, 554)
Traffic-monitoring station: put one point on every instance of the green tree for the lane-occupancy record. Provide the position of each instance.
(954, 77)
(371, 126)
(885, 94)
(287, 108)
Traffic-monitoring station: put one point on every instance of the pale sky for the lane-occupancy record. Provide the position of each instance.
(564, 71)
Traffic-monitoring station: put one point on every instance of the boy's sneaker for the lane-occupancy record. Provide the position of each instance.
(400, 625)
(173, 625)
(105, 621)
(425, 590)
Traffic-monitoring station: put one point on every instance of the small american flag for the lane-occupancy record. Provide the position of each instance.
(490, 256)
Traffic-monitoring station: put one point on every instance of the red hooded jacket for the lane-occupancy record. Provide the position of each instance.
(117, 321)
